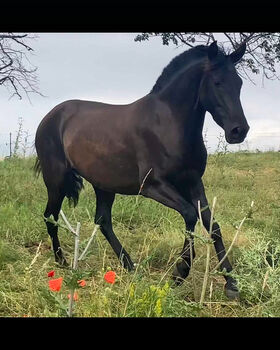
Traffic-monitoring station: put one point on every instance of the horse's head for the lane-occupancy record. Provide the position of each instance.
(220, 92)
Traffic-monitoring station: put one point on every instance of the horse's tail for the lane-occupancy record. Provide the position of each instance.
(73, 183)
(37, 167)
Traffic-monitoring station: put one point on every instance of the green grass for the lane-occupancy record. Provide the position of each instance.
(153, 235)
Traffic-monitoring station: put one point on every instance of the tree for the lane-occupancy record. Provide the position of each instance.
(17, 73)
(262, 53)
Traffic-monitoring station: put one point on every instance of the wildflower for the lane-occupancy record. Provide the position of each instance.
(82, 283)
(51, 273)
(55, 284)
(75, 296)
(110, 277)
(132, 290)
(158, 308)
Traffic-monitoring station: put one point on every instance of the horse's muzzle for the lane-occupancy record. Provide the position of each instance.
(237, 134)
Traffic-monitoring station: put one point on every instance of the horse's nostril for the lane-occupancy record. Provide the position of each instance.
(236, 131)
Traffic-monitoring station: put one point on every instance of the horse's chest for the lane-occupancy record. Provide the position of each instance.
(196, 160)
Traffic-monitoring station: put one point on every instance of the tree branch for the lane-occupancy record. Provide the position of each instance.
(16, 71)
(263, 49)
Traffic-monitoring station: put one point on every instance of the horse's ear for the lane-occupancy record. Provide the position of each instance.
(238, 53)
(212, 50)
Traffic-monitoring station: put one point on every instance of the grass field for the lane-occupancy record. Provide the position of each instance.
(153, 235)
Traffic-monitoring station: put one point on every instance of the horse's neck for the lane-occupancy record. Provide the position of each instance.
(181, 95)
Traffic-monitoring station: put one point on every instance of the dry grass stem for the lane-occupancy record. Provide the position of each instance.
(234, 239)
(67, 223)
(96, 227)
(36, 256)
(208, 250)
(75, 265)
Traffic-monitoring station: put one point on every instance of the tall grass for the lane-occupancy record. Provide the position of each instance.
(154, 236)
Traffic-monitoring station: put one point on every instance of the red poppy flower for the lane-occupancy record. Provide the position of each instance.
(110, 277)
(82, 283)
(55, 285)
(51, 273)
(75, 296)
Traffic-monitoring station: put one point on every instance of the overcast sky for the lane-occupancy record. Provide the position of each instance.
(113, 68)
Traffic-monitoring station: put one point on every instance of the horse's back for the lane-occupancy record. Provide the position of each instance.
(67, 115)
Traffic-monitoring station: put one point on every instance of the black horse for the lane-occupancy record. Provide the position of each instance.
(153, 147)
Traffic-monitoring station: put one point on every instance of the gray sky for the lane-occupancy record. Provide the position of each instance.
(113, 68)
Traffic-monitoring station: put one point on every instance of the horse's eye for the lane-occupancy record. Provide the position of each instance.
(217, 83)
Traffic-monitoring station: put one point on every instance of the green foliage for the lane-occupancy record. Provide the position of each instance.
(7, 254)
(150, 302)
(262, 53)
(153, 235)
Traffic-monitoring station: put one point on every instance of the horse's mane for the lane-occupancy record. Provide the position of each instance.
(181, 61)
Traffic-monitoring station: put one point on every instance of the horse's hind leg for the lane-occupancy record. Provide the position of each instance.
(53, 171)
(103, 217)
(55, 199)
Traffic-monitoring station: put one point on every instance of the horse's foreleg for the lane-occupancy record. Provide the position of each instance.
(166, 194)
(198, 194)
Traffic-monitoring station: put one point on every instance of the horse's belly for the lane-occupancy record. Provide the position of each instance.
(114, 173)
(123, 179)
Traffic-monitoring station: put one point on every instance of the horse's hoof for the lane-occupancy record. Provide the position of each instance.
(231, 291)
(232, 294)
(64, 263)
(61, 261)
(180, 272)
(128, 264)
(178, 280)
